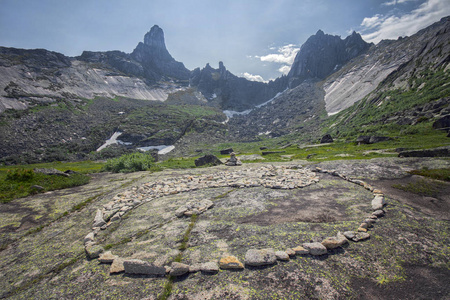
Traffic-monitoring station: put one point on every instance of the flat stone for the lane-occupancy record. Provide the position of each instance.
(117, 266)
(378, 213)
(195, 268)
(255, 257)
(93, 251)
(178, 269)
(364, 226)
(315, 248)
(230, 262)
(299, 250)
(137, 266)
(362, 229)
(361, 236)
(290, 251)
(281, 255)
(350, 235)
(107, 257)
(334, 242)
(98, 220)
(378, 202)
(210, 267)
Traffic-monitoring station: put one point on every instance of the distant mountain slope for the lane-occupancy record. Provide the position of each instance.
(395, 60)
(33, 77)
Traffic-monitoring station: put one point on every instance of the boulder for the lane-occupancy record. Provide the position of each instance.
(255, 257)
(208, 159)
(371, 139)
(436, 152)
(178, 269)
(315, 248)
(441, 123)
(230, 262)
(137, 266)
(326, 139)
(226, 151)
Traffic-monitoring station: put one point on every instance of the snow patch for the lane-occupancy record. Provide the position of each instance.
(162, 149)
(111, 141)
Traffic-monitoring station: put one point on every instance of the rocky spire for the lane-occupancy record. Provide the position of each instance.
(155, 38)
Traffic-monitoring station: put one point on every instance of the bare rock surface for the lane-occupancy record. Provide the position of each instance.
(52, 262)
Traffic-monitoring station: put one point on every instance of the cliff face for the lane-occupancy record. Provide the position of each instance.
(323, 54)
(390, 64)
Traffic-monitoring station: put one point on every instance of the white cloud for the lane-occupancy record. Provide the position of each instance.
(286, 55)
(381, 27)
(395, 2)
(252, 77)
(284, 69)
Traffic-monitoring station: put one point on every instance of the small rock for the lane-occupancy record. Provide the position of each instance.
(299, 250)
(195, 268)
(361, 236)
(137, 266)
(281, 255)
(350, 235)
(290, 251)
(378, 213)
(230, 262)
(178, 269)
(363, 226)
(94, 251)
(89, 237)
(107, 257)
(315, 248)
(326, 139)
(208, 159)
(334, 242)
(255, 257)
(210, 267)
(37, 187)
(117, 266)
(378, 202)
(362, 229)
(98, 220)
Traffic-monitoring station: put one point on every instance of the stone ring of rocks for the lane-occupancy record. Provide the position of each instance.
(271, 177)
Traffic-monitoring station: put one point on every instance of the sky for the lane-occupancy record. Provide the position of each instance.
(256, 39)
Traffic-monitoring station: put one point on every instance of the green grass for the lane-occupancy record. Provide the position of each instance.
(20, 185)
(439, 174)
(421, 187)
(132, 162)
(17, 181)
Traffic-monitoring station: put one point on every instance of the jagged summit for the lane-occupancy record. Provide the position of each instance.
(155, 37)
(323, 54)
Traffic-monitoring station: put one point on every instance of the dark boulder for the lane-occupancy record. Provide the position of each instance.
(208, 159)
(371, 139)
(326, 139)
(441, 123)
(436, 152)
(363, 139)
(226, 151)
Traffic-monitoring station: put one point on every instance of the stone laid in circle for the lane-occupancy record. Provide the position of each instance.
(290, 252)
(350, 235)
(378, 213)
(230, 262)
(315, 248)
(281, 255)
(98, 220)
(93, 251)
(195, 268)
(361, 236)
(89, 237)
(378, 202)
(137, 266)
(178, 269)
(209, 267)
(107, 257)
(255, 257)
(334, 242)
(299, 250)
(117, 266)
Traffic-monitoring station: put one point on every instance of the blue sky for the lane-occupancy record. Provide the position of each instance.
(257, 39)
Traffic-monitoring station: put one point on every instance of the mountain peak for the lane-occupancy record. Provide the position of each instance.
(155, 38)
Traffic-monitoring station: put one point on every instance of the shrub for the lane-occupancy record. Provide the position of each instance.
(133, 162)
(20, 175)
